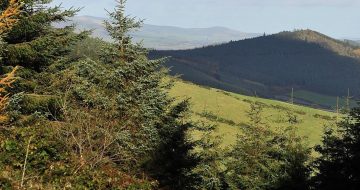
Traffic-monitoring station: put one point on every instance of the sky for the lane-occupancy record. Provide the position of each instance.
(337, 18)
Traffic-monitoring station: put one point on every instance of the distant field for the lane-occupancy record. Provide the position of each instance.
(328, 101)
(229, 112)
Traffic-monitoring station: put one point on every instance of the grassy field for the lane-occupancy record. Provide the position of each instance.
(229, 112)
(329, 101)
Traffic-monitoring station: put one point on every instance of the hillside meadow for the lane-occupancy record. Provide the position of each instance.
(229, 112)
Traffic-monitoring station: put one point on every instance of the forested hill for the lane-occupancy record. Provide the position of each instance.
(313, 64)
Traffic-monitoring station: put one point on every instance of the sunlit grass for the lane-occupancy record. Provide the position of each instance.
(230, 107)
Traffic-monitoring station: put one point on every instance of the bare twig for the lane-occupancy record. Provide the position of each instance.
(25, 162)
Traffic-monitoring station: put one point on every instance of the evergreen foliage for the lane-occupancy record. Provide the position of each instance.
(266, 159)
(32, 42)
(338, 166)
(210, 172)
(89, 124)
(173, 159)
(119, 27)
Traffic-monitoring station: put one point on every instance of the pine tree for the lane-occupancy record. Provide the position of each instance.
(339, 164)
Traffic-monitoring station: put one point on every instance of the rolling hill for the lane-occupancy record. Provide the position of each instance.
(164, 37)
(316, 66)
(229, 112)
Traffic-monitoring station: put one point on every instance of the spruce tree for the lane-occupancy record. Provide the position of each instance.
(33, 42)
(171, 162)
(263, 158)
(339, 164)
(143, 103)
(119, 28)
(210, 171)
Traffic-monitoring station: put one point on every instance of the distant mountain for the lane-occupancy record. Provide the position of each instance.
(165, 37)
(318, 67)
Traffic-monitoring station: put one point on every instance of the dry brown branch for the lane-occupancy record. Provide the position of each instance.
(7, 20)
(6, 82)
(7, 17)
(25, 162)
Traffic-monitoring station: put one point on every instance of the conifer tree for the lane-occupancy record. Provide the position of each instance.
(339, 164)
(141, 97)
(33, 42)
(119, 28)
(143, 103)
(171, 161)
(210, 171)
(113, 114)
(266, 159)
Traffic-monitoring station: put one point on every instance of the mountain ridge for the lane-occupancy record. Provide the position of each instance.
(270, 66)
(164, 37)
(312, 36)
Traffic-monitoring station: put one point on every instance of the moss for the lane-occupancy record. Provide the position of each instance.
(46, 104)
(22, 85)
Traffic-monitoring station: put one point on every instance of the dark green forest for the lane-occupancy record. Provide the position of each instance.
(272, 65)
(80, 113)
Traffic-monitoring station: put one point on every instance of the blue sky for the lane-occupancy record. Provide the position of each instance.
(337, 18)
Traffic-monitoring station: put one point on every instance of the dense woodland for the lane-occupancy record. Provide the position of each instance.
(75, 117)
(271, 65)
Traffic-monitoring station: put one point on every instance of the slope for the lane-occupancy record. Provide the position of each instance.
(229, 112)
(270, 66)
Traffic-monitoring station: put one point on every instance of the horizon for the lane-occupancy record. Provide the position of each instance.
(335, 18)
